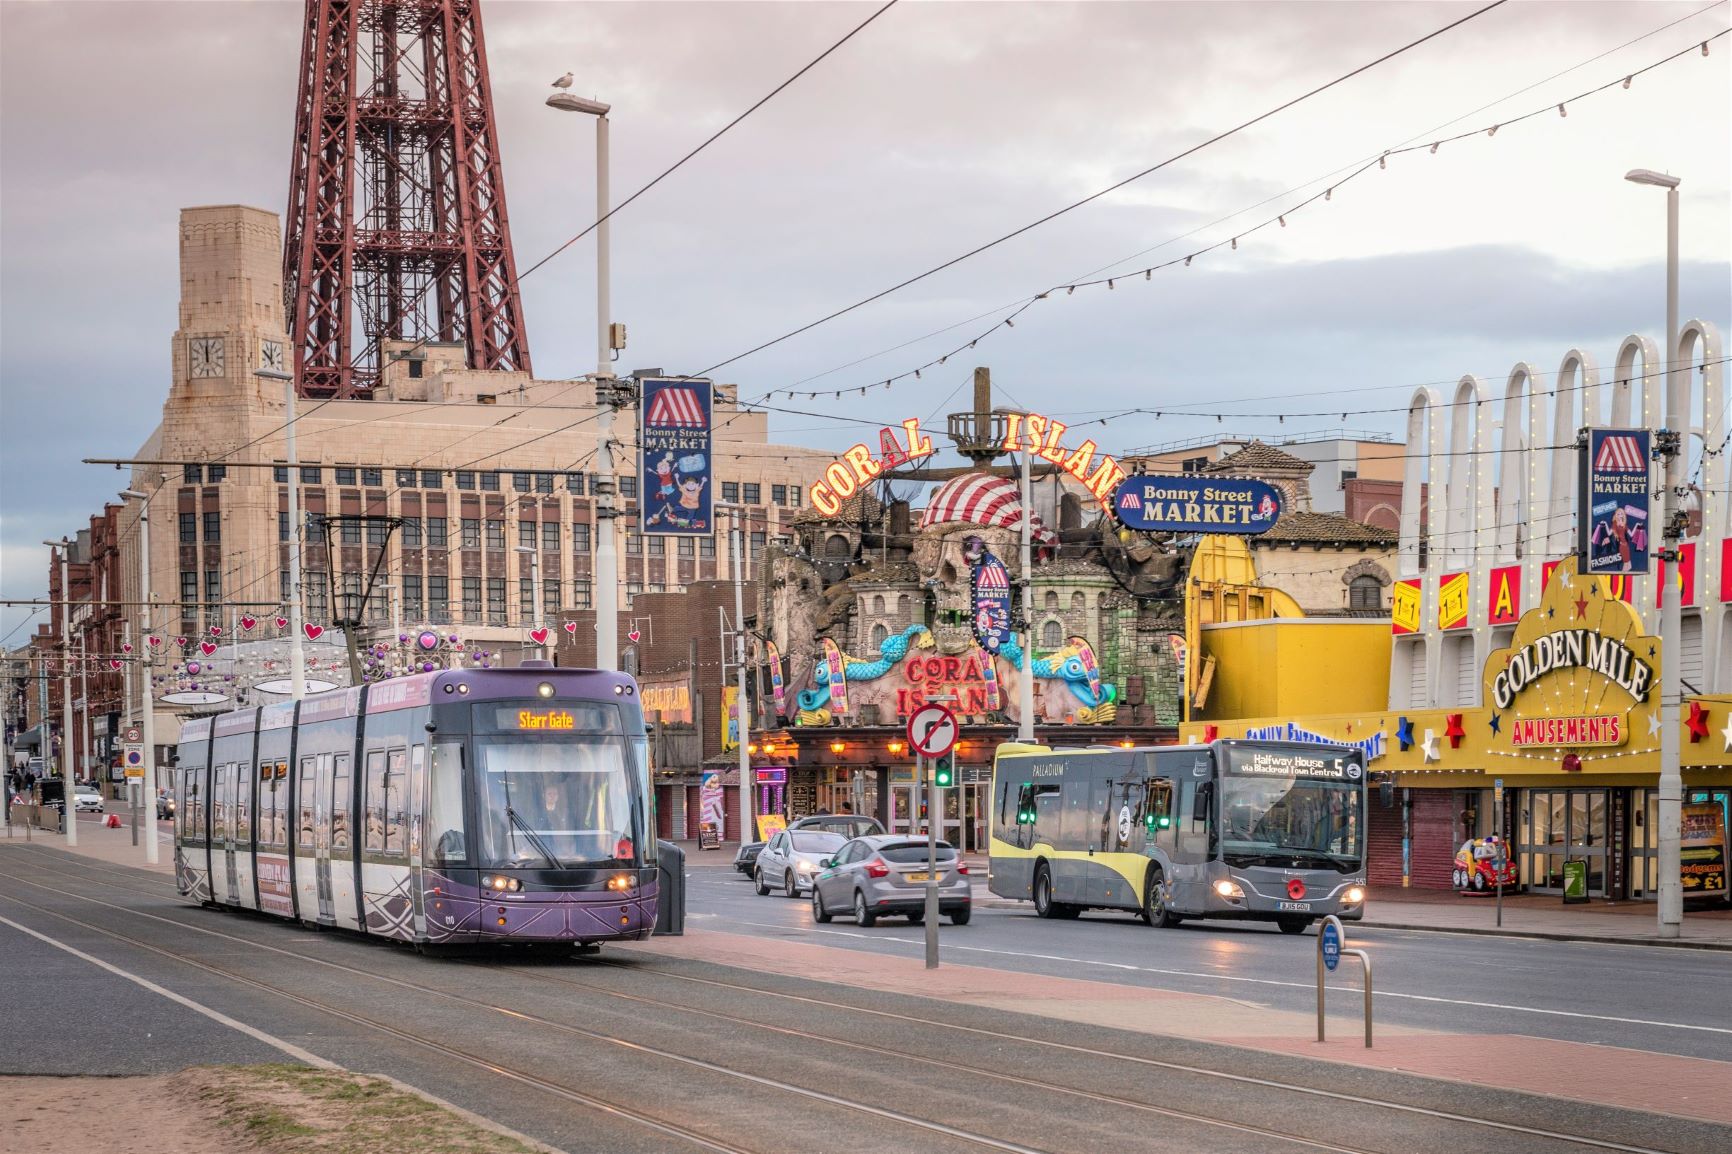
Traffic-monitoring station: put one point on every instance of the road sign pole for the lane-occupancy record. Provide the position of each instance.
(1497, 819)
(931, 782)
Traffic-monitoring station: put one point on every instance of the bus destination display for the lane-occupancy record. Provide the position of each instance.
(1294, 763)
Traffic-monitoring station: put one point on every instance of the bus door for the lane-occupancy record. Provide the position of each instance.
(1121, 809)
(1193, 843)
(1079, 831)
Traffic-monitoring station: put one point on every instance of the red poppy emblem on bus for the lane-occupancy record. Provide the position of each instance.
(1296, 888)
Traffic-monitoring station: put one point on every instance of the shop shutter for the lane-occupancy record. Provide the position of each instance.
(1433, 826)
(1383, 849)
(1690, 666)
(1417, 698)
(1466, 674)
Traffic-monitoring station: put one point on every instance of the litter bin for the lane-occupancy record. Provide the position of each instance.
(671, 888)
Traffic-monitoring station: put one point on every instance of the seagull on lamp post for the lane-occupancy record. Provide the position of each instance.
(563, 81)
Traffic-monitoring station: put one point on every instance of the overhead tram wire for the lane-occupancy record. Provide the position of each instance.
(956, 260)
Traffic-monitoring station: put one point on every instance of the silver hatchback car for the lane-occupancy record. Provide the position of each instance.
(886, 874)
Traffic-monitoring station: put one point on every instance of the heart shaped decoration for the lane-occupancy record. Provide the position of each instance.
(114, 663)
(126, 647)
(182, 642)
(282, 623)
(313, 632)
(216, 630)
(207, 647)
(539, 636)
(154, 642)
(247, 623)
(633, 636)
(571, 628)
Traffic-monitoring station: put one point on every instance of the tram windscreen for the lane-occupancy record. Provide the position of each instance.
(566, 800)
(1286, 809)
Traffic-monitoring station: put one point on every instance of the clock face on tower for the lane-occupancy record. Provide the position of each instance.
(205, 357)
(271, 355)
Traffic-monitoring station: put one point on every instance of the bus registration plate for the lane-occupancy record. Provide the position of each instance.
(922, 877)
(1297, 907)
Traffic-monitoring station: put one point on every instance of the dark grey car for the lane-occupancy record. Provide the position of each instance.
(886, 874)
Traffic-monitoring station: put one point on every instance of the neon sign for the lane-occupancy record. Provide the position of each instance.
(1042, 437)
(551, 719)
(857, 466)
(968, 684)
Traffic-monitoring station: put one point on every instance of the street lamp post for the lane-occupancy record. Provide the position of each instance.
(534, 595)
(1671, 903)
(146, 706)
(297, 652)
(68, 803)
(606, 557)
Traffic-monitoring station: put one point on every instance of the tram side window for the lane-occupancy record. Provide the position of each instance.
(396, 767)
(221, 807)
(186, 805)
(342, 801)
(373, 813)
(309, 781)
(445, 804)
(243, 802)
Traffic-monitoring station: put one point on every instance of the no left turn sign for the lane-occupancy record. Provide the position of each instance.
(932, 730)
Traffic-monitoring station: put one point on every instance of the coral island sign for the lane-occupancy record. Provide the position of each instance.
(857, 467)
(1197, 504)
(1041, 435)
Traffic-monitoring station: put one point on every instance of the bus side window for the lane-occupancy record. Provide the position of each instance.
(1048, 809)
(1158, 811)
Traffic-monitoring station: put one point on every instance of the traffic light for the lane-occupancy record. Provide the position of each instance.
(944, 770)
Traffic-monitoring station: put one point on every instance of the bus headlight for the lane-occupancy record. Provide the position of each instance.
(1229, 890)
(1354, 895)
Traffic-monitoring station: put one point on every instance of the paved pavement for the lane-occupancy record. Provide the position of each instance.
(648, 1048)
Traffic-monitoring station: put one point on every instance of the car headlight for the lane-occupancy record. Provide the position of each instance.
(1229, 890)
(1354, 895)
(805, 867)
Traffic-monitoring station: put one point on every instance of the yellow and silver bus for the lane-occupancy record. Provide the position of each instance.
(1265, 831)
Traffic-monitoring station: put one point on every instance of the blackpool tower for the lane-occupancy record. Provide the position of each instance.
(396, 226)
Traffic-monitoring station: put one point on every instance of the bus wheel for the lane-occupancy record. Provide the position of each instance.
(1044, 906)
(1293, 925)
(1155, 911)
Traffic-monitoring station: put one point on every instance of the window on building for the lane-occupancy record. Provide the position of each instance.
(471, 528)
(283, 589)
(580, 538)
(574, 484)
(658, 546)
(282, 524)
(581, 595)
(217, 473)
(495, 534)
(471, 600)
(373, 477)
(312, 475)
(1193, 464)
(656, 587)
(349, 532)
(436, 532)
(731, 492)
(496, 601)
(213, 587)
(550, 536)
(878, 604)
(431, 479)
(526, 598)
(794, 496)
(687, 547)
(628, 486)
(632, 589)
(345, 474)
(439, 599)
(1051, 635)
(376, 532)
(411, 532)
(1078, 603)
(633, 541)
(521, 482)
(758, 541)
(192, 474)
(213, 526)
(544, 482)
(706, 547)
(405, 478)
(550, 597)
(1365, 592)
(490, 482)
(836, 547)
(188, 591)
(749, 492)
(280, 474)
(779, 494)
(1050, 601)
(526, 534)
(879, 636)
(465, 478)
(317, 591)
(414, 609)
(189, 528)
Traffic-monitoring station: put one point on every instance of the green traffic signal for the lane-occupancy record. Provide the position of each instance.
(944, 771)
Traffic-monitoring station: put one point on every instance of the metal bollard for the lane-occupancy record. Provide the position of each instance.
(1364, 961)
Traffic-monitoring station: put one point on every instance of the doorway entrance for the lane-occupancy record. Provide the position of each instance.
(1561, 824)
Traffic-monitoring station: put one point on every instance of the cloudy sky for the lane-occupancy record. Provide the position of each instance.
(938, 128)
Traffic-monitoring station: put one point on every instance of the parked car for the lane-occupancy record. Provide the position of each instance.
(847, 824)
(886, 874)
(165, 805)
(791, 858)
(86, 799)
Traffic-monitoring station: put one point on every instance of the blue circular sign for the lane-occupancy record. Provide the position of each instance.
(1330, 937)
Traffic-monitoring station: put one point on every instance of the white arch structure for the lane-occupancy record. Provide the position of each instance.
(1503, 492)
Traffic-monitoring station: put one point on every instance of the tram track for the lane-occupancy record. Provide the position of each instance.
(1090, 1097)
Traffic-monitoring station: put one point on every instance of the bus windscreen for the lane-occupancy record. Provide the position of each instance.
(1282, 807)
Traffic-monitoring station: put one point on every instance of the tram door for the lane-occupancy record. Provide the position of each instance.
(228, 782)
(322, 838)
(417, 808)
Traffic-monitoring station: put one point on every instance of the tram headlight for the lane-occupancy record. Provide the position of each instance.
(491, 882)
(1354, 895)
(622, 882)
(545, 689)
(1227, 889)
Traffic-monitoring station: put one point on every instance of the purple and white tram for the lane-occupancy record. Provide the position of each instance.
(468, 806)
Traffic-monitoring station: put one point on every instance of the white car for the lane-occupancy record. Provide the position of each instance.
(86, 799)
(791, 858)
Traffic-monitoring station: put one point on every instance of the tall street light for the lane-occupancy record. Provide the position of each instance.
(606, 559)
(297, 652)
(534, 595)
(68, 803)
(146, 705)
(1671, 904)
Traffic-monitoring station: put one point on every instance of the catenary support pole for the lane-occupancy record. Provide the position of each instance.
(146, 705)
(1671, 903)
(606, 549)
(1025, 683)
(68, 803)
(737, 548)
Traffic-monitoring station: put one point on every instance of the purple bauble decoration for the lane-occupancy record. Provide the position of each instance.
(427, 640)
(192, 667)
(453, 639)
(426, 667)
(402, 638)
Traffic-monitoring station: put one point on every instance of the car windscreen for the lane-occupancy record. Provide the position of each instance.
(816, 842)
(913, 852)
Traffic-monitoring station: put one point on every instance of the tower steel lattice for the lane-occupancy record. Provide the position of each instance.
(396, 226)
